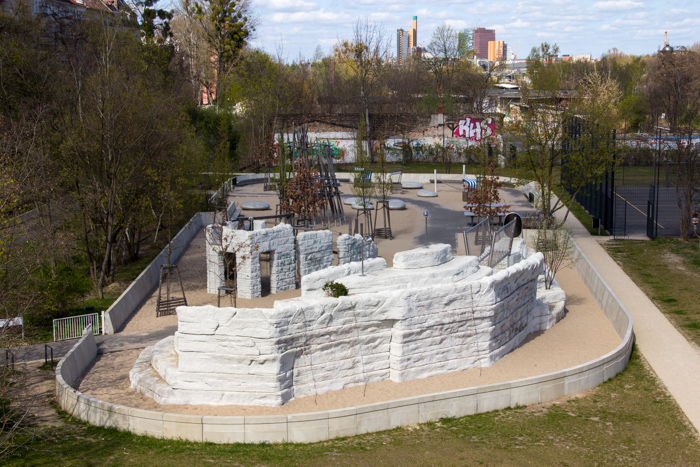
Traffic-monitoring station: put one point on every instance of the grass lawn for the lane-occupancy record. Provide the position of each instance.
(668, 271)
(629, 420)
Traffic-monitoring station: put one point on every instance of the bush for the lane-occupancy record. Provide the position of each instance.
(335, 289)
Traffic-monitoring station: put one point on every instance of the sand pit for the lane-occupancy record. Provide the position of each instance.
(581, 336)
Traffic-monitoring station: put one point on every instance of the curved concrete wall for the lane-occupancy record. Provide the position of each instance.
(318, 426)
(139, 290)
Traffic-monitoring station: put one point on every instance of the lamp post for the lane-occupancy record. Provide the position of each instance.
(425, 214)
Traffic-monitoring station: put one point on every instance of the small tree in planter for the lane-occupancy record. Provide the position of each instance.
(554, 242)
(283, 166)
(485, 195)
(363, 187)
(303, 193)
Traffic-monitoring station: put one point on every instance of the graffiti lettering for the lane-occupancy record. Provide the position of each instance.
(475, 129)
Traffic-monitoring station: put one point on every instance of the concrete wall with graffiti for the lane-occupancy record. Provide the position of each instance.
(426, 143)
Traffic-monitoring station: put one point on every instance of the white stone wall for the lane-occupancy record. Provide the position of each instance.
(311, 345)
(214, 258)
(312, 284)
(314, 251)
(350, 249)
(247, 246)
(433, 255)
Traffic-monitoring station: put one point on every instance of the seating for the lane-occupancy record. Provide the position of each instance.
(396, 186)
(364, 178)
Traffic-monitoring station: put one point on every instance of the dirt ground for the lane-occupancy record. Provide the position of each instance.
(581, 336)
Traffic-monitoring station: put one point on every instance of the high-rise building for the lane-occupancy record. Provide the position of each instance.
(406, 42)
(465, 41)
(482, 37)
(496, 51)
(413, 38)
(401, 45)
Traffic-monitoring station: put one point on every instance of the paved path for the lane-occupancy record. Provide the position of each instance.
(670, 355)
(105, 344)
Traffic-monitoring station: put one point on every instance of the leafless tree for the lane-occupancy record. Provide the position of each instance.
(365, 56)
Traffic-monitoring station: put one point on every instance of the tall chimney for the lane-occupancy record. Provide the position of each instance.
(665, 38)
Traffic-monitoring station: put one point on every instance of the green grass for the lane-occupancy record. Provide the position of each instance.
(630, 420)
(668, 271)
(578, 212)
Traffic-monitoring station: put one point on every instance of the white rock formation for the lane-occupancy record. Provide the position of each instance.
(310, 345)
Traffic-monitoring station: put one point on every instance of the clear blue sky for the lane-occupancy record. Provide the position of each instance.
(632, 26)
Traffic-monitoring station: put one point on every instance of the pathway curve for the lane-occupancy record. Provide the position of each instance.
(670, 355)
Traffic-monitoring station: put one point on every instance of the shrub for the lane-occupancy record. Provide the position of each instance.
(335, 289)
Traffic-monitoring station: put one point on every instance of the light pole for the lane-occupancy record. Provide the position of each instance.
(425, 214)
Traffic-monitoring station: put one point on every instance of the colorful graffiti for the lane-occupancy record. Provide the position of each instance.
(338, 148)
(475, 129)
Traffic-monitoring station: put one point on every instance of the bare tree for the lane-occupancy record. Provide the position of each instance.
(443, 51)
(365, 57)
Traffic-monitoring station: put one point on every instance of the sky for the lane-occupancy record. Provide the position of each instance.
(295, 28)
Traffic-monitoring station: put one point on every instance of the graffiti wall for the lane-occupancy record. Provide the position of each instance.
(474, 130)
(426, 143)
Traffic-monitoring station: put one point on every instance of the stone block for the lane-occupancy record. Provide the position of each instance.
(372, 418)
(185, 427)
(307, 428)
(493, 397)
(422, 257)
(266, 429)
(342, 423)
(223, 429)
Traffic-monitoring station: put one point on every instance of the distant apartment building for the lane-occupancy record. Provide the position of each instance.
(465, 41)
(482, 37)
(401, 45)
(406, 42)
(496, 51)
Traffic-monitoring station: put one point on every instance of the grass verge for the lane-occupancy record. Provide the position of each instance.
(580, 213)
(630, 420)
(668, 271)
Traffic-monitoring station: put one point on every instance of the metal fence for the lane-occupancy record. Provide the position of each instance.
(72, 327)
(636, 196)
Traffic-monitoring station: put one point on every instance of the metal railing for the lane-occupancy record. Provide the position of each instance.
(477, 240)
(501, 243)
(72, 327)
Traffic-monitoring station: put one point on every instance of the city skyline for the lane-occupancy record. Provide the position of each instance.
(631, 26)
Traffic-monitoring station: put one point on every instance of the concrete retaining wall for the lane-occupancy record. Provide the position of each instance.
(320, 426)
(144, 284)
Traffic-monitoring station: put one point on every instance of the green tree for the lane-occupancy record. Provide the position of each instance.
(543, 130)
(226, 28)
(126, 141)
(542, 70)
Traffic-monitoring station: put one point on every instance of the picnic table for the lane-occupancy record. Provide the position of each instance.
(468, 213)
